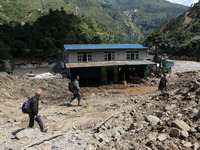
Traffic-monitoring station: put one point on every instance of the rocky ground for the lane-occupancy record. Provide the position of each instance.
(135, 117)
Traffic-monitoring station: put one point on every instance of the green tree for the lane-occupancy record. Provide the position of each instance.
(47, 44)
(4, 51)
(160, 42)
(17, 48)
(50, 32)
(195, 45)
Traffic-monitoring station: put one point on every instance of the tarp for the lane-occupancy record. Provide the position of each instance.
(45, 75)
(170, 64)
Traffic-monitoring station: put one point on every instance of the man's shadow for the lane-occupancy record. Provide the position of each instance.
(15, 133)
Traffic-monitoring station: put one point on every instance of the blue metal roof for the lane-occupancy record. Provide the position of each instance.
(103, 46)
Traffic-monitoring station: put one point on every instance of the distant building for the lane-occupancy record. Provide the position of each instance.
(106, 63)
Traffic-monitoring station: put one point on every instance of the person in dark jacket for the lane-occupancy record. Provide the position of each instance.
(163, 84)
(34, 111)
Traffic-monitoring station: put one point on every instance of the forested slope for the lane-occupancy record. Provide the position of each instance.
(48, 34)
(182, 33)
(129, 20)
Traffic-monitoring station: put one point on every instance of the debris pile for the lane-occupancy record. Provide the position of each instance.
(111, 121)
(14, 87)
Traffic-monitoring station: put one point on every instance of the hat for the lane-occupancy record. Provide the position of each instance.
(38, 92)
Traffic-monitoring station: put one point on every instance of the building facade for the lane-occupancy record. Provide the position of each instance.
(106, 63)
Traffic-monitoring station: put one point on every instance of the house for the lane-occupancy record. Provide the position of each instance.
(106, 63)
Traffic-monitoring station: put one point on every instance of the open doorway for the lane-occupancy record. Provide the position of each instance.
(110, 75)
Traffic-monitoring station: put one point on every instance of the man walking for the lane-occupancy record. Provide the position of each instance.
(163, 84)
(77, 91)
(34, 111)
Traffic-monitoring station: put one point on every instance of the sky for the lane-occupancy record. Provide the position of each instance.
(184, 2)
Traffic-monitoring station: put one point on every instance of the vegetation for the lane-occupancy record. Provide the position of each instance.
(128, 20)
(4, 51)
(159, 42)
(181, 33)
(48, 34)
(38, 28)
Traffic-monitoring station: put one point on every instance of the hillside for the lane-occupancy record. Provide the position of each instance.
(183, 33)
(148, 15)
(48, 34)
(129, 20)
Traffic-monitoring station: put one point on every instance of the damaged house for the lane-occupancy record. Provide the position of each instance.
(107, 63)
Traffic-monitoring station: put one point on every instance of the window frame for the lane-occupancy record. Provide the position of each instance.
(79, 57)
(82, 55)
(89, 55)
(132, 55)
(109, 56)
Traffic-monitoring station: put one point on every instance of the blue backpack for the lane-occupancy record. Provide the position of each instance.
(26, 107)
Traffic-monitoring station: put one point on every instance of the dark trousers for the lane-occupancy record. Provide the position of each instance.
(162, 89)
(38, 120)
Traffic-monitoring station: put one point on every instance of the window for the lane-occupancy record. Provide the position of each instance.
(108, 56)
(80, 58)
(132, 55)
(84, 56)
(136, 54)
(89, 56)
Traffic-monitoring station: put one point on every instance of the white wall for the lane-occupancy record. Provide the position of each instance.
(98, 55)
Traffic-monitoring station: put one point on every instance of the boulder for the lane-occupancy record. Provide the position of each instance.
(179, 115)
(198, 114)
(90, 147)
(187, 144)
(100, 138)
(116, 135)
(106, 139)
(152, 136)
(195, 111)
(184, 134)
(162, 137)
(101, 145)
(152, 119)
(170, 107)
(149, 143)
(196, 84)
(180, 124)
(198, 128)
(192, 130)
(195, 146)
(160, 114)
(131, 127)
(174, 132)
